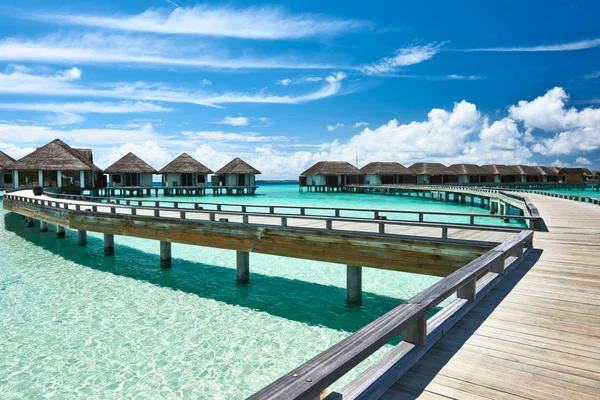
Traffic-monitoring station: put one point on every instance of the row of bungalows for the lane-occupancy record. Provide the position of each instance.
(337, 174)
(58, 165)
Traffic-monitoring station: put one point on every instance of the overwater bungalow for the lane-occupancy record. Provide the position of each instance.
(7, 165)
(471, 173)
(548, 174)
(433, 173)
(130, 170)
(502, 173)
(237, 172)
(331, 176)
(528, 173)
(387, 173)
(57, 165)
(185, 171)
(574, 175)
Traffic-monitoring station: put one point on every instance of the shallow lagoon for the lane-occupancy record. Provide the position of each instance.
(78, 324)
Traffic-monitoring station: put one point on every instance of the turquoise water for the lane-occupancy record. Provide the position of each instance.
(77, 324)
(588, 192)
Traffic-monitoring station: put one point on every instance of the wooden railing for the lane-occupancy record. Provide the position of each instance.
(295, 211)
(313, 378)
(583, 199)
(281, 219)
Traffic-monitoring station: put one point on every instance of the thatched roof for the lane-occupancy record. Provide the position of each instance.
(7, 163)
(430, 169)
(596, 173)
(56, 156)
(546, 171)
(525, 169)
(132, 164)
(573, 171)
(332, 168)
(499, 169)
(237, 166)
(468, 169)
(185, 164)
(386, 168)
(86, 153)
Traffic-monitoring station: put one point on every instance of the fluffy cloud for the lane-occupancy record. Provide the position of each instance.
(234, 121)
(299, 80)
(359, 124)
(335, 126)
(575, 130)
(233, 137)
(583, 161)
(403, 57)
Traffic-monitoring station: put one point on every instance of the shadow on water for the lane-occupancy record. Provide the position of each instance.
(311, 303)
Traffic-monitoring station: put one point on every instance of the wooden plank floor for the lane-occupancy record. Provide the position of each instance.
(424, 231)
(537, 334)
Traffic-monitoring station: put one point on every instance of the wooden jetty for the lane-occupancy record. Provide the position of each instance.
(535, 335)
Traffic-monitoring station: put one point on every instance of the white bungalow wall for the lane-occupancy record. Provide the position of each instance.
(232, 180)
(464, 179)
(315, 180)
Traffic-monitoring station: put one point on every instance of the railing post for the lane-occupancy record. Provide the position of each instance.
(283, 221)
(157, 212)
(182, 214)
(328, 224)
(444, 233)
(417, 332)
(467, 291)
(497, 266)
(245, 219)
(382, 228)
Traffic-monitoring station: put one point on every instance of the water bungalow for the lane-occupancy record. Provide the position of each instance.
(235, 177)
(471, 173)
(331, 176)
(502, 173)
(433, 173)
(7, 165)
(528, 173)
(57, 165)
(574, 175)
(185, 171)
(130, 170)
(387, 173)
(548, 174)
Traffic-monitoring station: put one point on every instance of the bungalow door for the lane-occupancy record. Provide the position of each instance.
(187, 180)
(132, 179)
(241, 180)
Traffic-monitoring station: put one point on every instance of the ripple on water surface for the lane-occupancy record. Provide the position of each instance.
(78, 324)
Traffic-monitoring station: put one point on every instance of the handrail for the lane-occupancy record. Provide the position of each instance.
(302, 209)
(312, 378)
(582, 199)
(283, 218)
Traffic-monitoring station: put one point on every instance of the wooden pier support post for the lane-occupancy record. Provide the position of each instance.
(60, 231)
(109, 244)
(243, 267)
(82, 238)
(354, 285)
(43, 226)
(30, 222)
(165, 254)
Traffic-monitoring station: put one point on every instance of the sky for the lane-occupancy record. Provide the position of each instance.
(286, 84)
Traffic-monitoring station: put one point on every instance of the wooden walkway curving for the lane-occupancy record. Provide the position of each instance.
(536, 335)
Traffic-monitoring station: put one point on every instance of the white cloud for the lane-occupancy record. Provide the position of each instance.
(592, 75)
(575, 130)
(335, 126)
(558, 163)
(299, 80)
(69, 113)
(571, 46)
(403, 57)
(205, 82)
(23, 81)
(101, 49)
(234, 121)
(455, 77)
(270, 23)
(359, 124)
(148, 151)
(583, 161)
(82, 137)
(230, 136)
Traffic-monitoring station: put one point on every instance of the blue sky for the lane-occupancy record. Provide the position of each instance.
(286, 84)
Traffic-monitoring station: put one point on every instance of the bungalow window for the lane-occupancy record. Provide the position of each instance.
(8, 179)
(116, 178)
(201, 178)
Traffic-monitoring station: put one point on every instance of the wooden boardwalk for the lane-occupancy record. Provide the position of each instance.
(536, 335)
